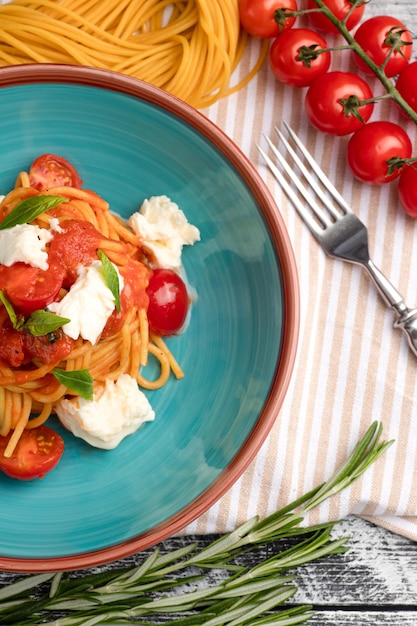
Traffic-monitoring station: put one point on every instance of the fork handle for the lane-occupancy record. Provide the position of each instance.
(406, 319)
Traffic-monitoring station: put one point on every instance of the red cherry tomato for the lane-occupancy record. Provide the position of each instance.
(407, 189)
(37, 452)
(257, 17)
(370, 148)
(288, 51)
(51, 170)
(374, 37)
(340, 9)
(168, 302)
(324, 107)
(30, 288)
(407, 85)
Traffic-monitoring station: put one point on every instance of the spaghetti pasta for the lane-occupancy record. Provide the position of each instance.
(29, 392)
(188, 48)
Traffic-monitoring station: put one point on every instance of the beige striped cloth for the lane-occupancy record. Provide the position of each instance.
(352, 368)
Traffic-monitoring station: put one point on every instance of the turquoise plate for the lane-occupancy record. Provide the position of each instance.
(129, 141)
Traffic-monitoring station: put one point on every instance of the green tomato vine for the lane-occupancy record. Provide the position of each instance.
(394, 41)
(378, 70)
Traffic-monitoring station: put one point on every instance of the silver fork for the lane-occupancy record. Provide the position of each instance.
(340, 232)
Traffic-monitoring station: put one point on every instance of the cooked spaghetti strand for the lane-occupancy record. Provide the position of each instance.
(29, 391)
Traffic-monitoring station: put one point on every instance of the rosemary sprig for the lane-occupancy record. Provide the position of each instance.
(176, 583)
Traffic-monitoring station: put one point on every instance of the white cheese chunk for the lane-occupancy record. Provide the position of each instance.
(164, 230)
(88, 304)
(118, 409)
(25, 243)
(55, 225)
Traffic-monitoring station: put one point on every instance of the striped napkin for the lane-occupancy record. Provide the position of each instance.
(352, 368)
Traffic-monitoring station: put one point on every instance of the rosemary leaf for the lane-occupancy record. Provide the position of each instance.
(365, 453)
(175, 583)
(22, 585)
(244, 613)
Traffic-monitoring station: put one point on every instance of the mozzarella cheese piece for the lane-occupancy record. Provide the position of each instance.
(55, 225)
(88, 304)
(25, 243)
(118, 409)
(164, 230)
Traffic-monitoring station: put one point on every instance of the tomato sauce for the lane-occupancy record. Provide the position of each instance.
(51, 348)
(19, 348)
(136, 278)
(76, 245)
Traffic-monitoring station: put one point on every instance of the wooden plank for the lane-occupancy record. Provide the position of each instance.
(363, 618)
(379, 568)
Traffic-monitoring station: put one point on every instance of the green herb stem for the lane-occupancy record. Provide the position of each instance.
(176, 583)
(377, 70)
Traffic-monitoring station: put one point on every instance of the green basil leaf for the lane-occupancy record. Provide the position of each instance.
(28, 209)
(17, 322)
(111, 277)
(43, 322)
(78, 381)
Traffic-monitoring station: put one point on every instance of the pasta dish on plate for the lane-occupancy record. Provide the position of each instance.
(86, 298)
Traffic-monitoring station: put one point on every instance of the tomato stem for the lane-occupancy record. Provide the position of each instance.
(395, 43)
(281, 15)
(377, 70)
(397, 163)
(354, 3)
(372, 100)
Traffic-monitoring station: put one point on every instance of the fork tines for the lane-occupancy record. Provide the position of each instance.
(317, 216)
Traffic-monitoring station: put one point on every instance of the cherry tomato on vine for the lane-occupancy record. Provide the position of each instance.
(257, 17)
(407, 189)
(168, 302)
(332, 99)
(37, 452)
(294, 58)
(52, 170)
(372, 146)
(339, 8)
(407, 85)
(381, 36)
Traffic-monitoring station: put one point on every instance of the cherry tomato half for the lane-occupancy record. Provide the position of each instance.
(51, 170)
(168, 302)
(37, 452)
(324, 107)
(257, 17)
(30, 288)
(372, 146)
(293, 57)
(407, 85)
(374, 37)
(340, 9)
(407, 189)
